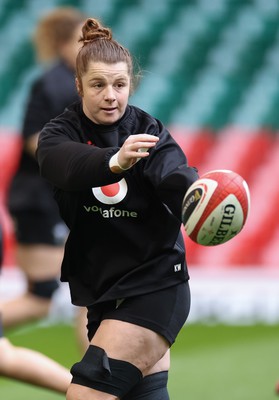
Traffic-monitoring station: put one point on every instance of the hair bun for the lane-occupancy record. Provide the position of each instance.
(93, 30)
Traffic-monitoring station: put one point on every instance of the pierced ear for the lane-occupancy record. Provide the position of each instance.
(79, 87)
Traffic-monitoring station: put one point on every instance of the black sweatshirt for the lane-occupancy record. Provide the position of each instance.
(125, 236)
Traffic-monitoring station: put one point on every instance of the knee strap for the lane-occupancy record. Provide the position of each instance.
(108, 375)
(152, 387)
(43, 289)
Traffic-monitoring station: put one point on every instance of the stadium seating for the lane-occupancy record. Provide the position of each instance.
(10, 145)
(205, 64)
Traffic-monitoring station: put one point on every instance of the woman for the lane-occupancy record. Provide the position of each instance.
(40, 232)
(119, 181)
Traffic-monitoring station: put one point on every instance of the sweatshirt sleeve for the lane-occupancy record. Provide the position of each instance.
(168, 171)
(70, 165)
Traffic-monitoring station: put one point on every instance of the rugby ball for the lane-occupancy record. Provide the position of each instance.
(215, 207)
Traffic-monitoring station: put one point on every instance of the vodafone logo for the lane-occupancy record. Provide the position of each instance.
(111, 194)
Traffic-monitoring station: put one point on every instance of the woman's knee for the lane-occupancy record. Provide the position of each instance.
(73, 393)
(100, 373)
(78, 392)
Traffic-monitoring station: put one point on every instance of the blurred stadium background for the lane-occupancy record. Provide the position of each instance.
(210, 73)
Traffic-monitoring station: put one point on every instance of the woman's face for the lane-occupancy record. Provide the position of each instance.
(105, 89)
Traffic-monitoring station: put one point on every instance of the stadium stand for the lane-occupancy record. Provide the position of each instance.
(210, 72)
(10, 144)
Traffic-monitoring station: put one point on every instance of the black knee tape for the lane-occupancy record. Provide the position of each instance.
(152, 387)
(44, 289)
(108, 375)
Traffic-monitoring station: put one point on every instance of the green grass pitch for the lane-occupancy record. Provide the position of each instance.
(208, 362)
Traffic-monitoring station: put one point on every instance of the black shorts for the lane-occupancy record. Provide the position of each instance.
(164, 311)
(36, 227)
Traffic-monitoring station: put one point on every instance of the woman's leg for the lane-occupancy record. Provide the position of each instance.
(130, 341)
(41, 266)
(32, 367)
(130, 351)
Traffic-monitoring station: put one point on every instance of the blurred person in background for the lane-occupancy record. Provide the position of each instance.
(27, 365)
(39, 230)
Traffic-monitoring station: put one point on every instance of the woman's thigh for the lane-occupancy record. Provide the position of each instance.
(140, 330)
(39, 261)
(132, 343)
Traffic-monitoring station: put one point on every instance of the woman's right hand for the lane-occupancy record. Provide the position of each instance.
(134, 148)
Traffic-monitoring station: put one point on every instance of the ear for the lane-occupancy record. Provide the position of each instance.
(79, 87)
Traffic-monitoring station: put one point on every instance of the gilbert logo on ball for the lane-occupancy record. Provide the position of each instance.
(215, 207)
